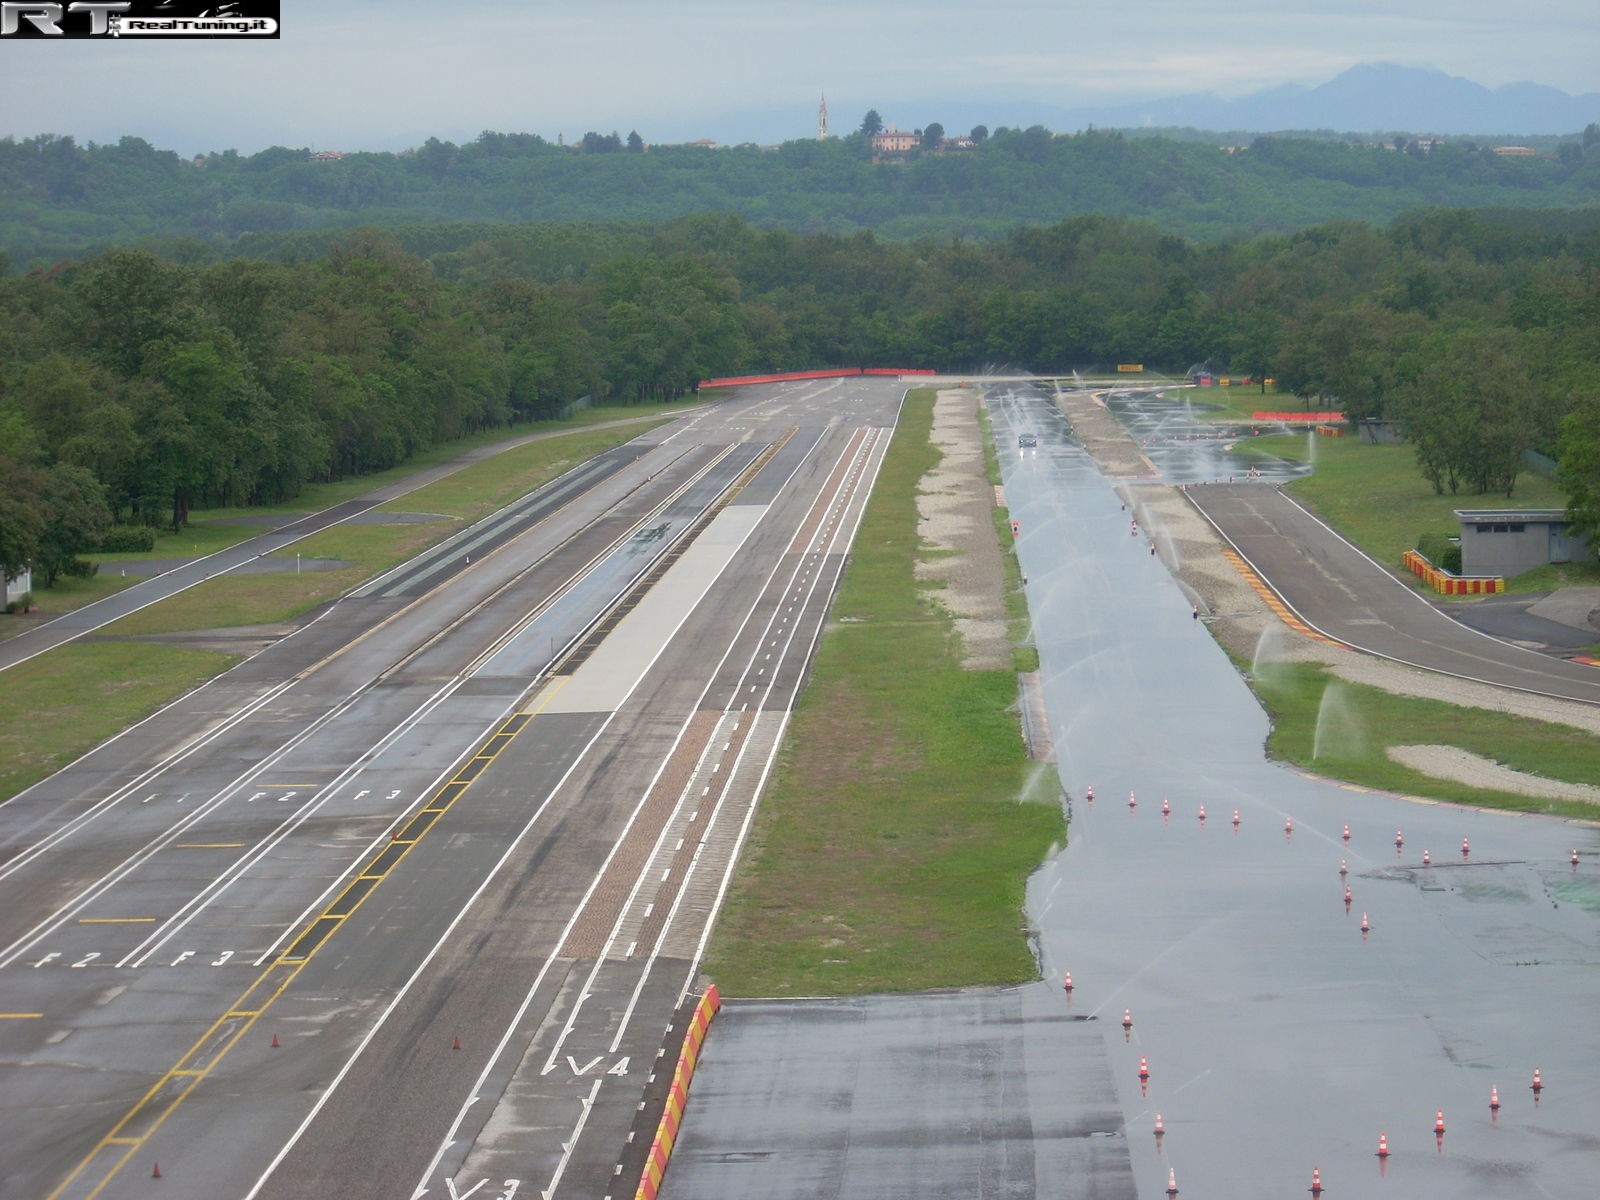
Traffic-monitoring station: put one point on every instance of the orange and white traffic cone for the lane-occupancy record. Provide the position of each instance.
(1538, 1084)
(1316, 1182)
(1494, 1099)
(1144, 1069)
(1066, 984)
(1160, 1129)
(1172, 1182)
(1383, 1145)
(1438, 1124)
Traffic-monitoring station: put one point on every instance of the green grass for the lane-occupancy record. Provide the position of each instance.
(461, 498)
(1361, 722)
(63, 703)
(1375, 496)
(67, 595)
(66, 701)
(891, 849)
(1236, 404)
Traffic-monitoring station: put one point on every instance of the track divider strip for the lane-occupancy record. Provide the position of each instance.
(655, 1166)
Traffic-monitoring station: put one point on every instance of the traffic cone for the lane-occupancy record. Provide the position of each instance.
(1316, 1182)
(1347, 896)
(1127, 1018)
(156, 1174)
(1494, 1099)
(1347, 831)
(1144, 1069)
(1427, 859)
(1538, 1085)
(1383, 1145)
(1365, 924)
(1172, 1182)
(1165, 807)
(1066, 984)
(275, 1041)
(1344, 868)
(1288, 824)
(456, 1044)
(1399, 839)
(1202, 812)
(1465, 848)
(1236, 817)
(1438, 1124)
(1574, 856)
(1160, 1130)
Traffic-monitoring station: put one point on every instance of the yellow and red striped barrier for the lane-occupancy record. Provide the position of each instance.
(655, 1166)
(1298, 418)
(1447, 584)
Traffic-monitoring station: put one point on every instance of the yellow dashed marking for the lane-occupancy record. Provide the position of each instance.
(212, 1046)
(116, 920)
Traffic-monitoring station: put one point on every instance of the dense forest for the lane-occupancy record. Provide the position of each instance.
(135, 387)
(65, 200)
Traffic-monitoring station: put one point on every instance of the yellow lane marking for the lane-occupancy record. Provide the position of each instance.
(19, 1016)
(146, 1116)
(116, 920)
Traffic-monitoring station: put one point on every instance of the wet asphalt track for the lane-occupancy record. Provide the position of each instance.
(1279, 1038)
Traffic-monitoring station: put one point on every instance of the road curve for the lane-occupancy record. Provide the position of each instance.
(1342, 593)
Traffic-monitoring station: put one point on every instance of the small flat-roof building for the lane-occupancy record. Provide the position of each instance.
(1509, 541)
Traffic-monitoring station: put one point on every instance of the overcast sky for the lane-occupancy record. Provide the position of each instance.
(359, 74)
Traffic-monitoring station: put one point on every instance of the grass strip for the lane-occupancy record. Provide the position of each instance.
(61, 704)
(1343, 730)
(893, 845)
(459, 499)
(64, 702)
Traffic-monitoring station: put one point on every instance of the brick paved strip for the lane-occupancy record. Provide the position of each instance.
(588, 936)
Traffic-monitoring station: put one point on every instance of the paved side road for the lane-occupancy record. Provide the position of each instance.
(1339, 591)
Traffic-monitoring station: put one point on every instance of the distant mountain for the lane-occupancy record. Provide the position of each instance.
(1376, 98)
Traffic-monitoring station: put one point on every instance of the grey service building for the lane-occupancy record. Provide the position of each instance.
(1509, 541)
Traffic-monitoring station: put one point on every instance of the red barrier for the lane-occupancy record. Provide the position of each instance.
(829, 373)
(1294, 418)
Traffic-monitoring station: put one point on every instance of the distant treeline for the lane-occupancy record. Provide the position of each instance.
(144, 386)
(64, 200)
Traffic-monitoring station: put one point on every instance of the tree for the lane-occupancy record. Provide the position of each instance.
(48, 516)
(933, 136)
(871, 123)
(980, 134)
(635, 142)
(1579, 470)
